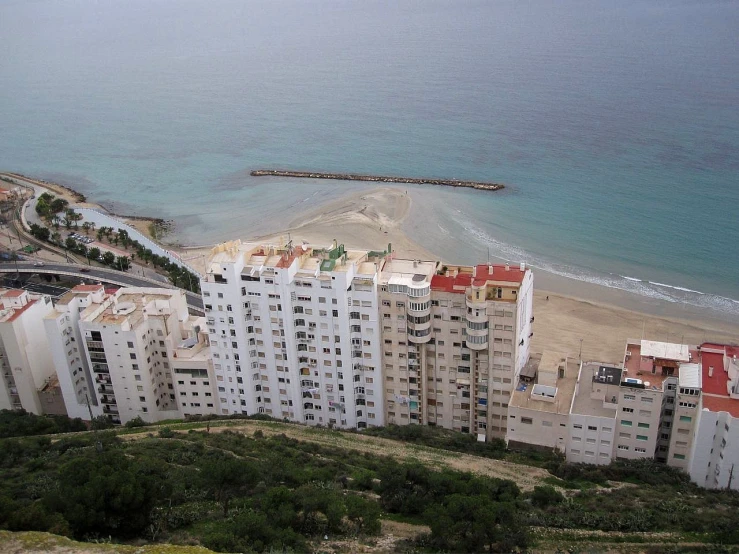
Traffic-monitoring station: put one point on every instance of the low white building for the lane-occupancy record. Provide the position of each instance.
(25, 359)
(539, 410)
(593, 414)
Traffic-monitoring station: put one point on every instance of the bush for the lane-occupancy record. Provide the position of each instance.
(545, 495)
(166, 433)
(135, 422)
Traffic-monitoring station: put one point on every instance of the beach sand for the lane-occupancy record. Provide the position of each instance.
(374, 218)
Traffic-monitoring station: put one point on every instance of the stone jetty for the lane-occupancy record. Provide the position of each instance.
(376, 179)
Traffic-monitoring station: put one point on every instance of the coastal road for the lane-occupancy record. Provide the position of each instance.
(194, 301)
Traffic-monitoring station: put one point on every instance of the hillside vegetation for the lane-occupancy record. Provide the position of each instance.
(246, 485)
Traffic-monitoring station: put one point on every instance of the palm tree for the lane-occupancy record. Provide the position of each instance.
(86, 227)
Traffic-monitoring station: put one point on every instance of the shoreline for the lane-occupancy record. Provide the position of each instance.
(603, 317)
(477, 185)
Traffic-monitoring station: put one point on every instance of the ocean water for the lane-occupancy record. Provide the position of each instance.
(615, 124)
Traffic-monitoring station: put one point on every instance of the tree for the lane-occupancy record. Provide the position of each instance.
(86, 227)
(100, 423)
(100, 234)
(363, 513)
(124, 238)
(70, 244)
(225, 476)
(94, 253)
(122, 263)
(109, 493)
(56, 238)
(108, 258)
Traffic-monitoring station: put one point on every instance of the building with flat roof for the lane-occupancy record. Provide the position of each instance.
(464, 333)
(713, 460)
(67, 350)
(25, 360)
(125, 344)
(294, 332)
(593, 414)
(539, 410)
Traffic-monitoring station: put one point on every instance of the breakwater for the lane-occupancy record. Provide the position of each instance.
(377, 179)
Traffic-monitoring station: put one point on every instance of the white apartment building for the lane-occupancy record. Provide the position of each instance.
(593, 414)
(294, 332)
(539, 410)
(458, 338)
(125, 345)
(713, 461)
(25, 360)
(191, 363)
(67, 350)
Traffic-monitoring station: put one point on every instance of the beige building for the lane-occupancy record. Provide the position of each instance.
(539, 410)
(455, 339)
(25, 360)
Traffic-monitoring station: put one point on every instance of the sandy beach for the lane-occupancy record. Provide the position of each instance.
(603, 318)
(374, 218)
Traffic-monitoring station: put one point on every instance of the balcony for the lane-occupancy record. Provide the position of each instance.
(94, 344)
(100, 368)
(108, 401)
(110, 410)
(105, 389)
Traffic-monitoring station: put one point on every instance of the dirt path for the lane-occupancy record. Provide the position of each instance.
(525, 477)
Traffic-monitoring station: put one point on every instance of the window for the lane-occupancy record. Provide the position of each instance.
(527, 420)
(626, 423)
(592, 428)
(644, 425)
(679, 456)
(686, 418)
(642, 438)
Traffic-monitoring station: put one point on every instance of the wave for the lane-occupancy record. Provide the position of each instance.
(642, 287)
(673, 287)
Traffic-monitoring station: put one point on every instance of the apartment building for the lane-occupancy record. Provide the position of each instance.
(190, 361)
(713, 461)
(67, 350)
(124, 339)
(294, 332)
(539, 410)
(25, 360)
(593, 413)
(646, 402)
(467, 329)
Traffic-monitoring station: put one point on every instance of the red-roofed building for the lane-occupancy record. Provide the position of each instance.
(714, 459)
(468, 329)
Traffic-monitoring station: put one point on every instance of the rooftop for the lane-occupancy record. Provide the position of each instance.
(590, 379)
(256, 257)
(665, 350)
(690, 376)
(128, 306)
(458, 278)
(715, 383)
(396, 270)
(644, 368)
(537, 396)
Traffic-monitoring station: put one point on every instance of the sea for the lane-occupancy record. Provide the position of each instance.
(614, 124)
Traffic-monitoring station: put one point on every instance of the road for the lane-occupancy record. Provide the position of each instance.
(194, 301)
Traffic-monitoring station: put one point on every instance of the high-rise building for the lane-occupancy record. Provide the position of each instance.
(25, 360)
(125, 343)
(67, 349)
(294, 333)
(458, 339)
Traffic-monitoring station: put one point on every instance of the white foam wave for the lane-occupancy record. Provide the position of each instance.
(673, 287)
(655, 290)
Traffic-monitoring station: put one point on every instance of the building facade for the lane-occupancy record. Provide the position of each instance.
(294, 332)
(25, 360)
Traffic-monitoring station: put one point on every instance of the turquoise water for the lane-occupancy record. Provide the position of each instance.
(614, 123)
